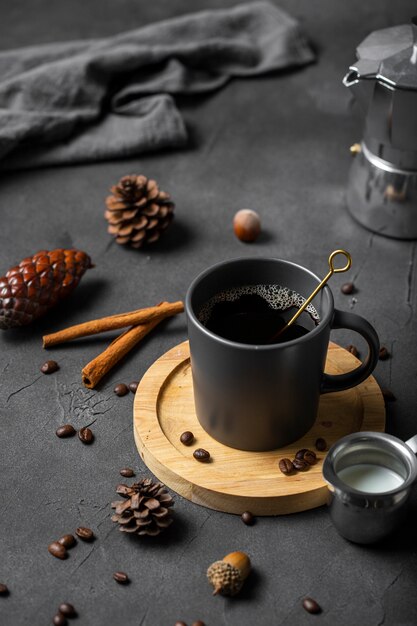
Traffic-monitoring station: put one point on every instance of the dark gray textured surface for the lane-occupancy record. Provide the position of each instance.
(279, 145)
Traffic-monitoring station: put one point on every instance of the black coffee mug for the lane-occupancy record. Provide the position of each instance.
(262, 397)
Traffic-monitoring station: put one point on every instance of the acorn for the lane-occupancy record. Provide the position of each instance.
(228, 575)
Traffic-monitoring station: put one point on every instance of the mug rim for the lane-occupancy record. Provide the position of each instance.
(251, 346)
(333, 479)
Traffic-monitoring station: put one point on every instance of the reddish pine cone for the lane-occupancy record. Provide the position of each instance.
(38, 283)
(138, 212)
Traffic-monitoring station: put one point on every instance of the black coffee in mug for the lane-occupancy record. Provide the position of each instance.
(254, 314)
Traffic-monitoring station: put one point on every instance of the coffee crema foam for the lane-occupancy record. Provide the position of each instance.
(279, 298)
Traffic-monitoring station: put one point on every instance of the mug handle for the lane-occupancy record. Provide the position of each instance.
(339, 382)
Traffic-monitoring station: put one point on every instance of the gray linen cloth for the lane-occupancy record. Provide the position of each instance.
(110, 98)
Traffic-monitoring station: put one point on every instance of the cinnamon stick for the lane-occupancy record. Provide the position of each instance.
(112, 322)
(94, 371)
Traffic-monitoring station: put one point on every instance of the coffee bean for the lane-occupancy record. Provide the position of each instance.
(187, 438)
(180, 624)
(311, 606)
(248, 518)
(388, 395)
(68, 541)
(198, 623)
(300, 465)
(121, 578)
(67, 609)
(60, 620)
(4, 590)
(127, 472)
(201, 455)
(133, 386)
(300, 453)
(65, 431)
(353, 350)
(49, 367)
(86, 435)
(58, 550)
(86, 534)
(310, 457)
(383, 353)
(286, 466)
(321, 444)
(121, 389)
(347, 288)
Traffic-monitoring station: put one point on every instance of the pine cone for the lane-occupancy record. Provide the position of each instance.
(145, 510)
(138, 212)
(37, 284)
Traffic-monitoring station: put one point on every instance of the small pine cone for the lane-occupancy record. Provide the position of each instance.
(38, 283)
(225, 578)
(138, 212)
(145, 511)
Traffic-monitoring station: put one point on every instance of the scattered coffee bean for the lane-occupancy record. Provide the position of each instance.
(127, 472)
(286, 466)
(353, 350)
(121, 578)
(300, 453)
(310, 457)
(388, 395)
(180, 624)
(347, 288)
(58, 550)
(65, 431)
(383, 353)
(68, 541)
(4, 590)
(121, 389)
(86, 534)
(187, 438)
(198, 623)
(311, 606)
(300, 465)
(133, 386)
(60, 620)
(67, 609)
(49, 367)
(248, 518)
(321, 444)
(86, 435)
(201, 455)
(306, 455)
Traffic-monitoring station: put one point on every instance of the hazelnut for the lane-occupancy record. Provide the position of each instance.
(246, 225)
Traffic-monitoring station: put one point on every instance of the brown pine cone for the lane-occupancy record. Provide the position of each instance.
(38, 283)
(138, 212)
(145, 510)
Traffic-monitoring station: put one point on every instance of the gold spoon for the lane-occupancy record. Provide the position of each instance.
(332, 270)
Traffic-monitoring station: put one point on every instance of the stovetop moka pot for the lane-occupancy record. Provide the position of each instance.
(382, 191)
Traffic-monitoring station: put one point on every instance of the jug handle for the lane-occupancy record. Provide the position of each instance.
(412, 443)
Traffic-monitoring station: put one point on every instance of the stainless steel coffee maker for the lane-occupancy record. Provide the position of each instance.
(382, 191)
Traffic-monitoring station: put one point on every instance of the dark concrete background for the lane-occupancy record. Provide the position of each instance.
(278, 144)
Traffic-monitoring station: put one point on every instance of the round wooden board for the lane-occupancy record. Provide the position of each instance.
(235, 480)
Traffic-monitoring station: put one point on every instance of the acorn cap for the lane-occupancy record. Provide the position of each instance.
(225, 578)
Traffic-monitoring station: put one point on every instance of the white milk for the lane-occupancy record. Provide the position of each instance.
(370, 478)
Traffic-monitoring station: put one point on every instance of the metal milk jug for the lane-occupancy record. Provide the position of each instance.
(382, 189)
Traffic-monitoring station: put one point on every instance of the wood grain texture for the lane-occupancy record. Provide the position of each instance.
(235, 480)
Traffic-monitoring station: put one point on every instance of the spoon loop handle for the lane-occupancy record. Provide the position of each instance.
(336, 270)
